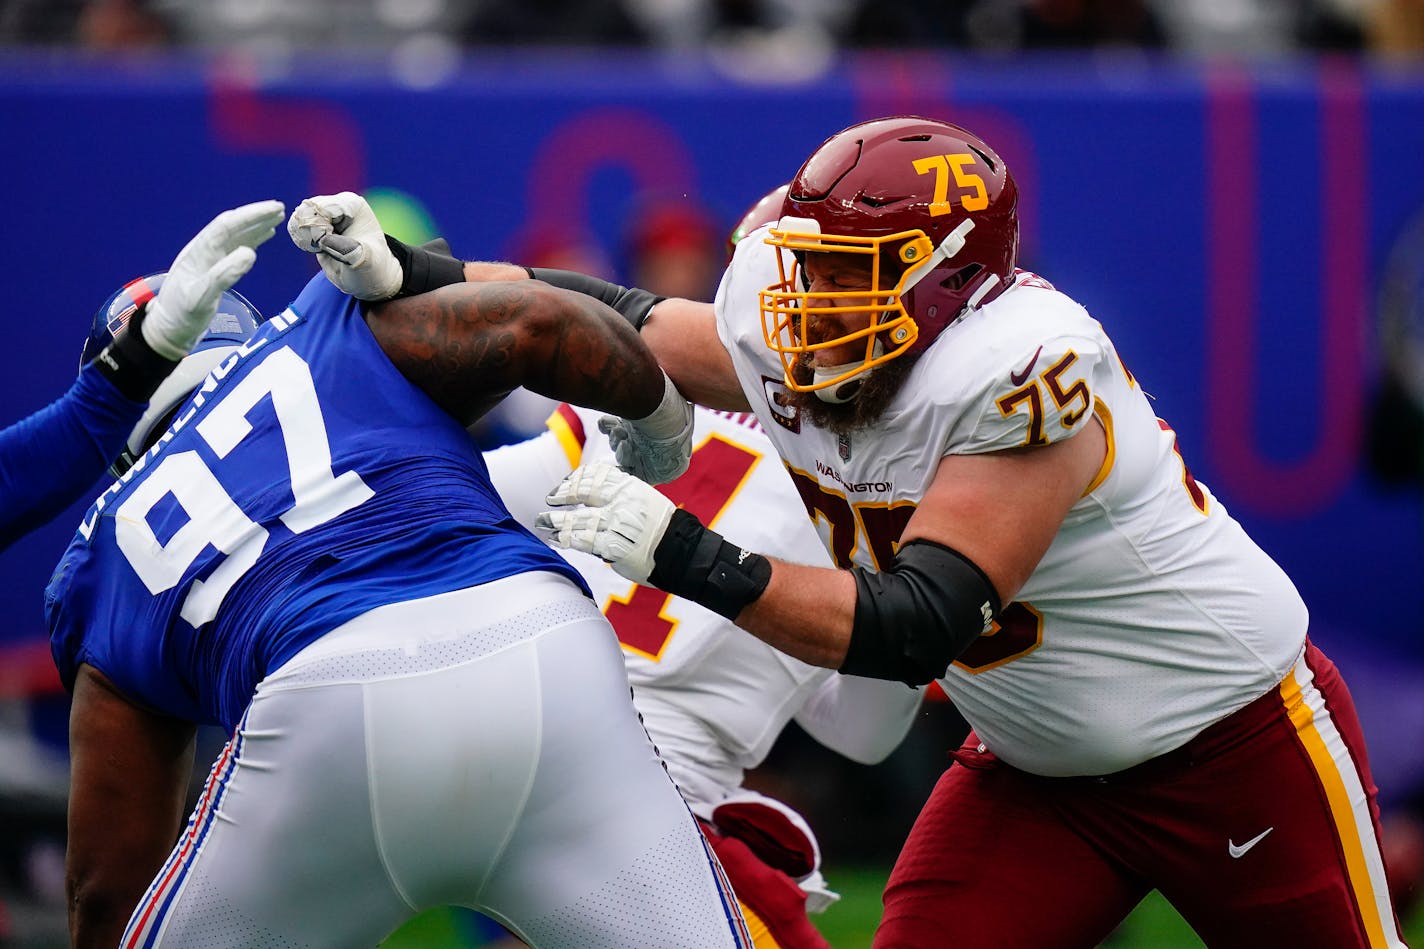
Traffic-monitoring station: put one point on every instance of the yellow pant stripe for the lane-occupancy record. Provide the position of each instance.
(761, 936)
(1349, 805)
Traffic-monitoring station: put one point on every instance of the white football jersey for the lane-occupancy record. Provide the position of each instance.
(713, 697)
(1152, 614)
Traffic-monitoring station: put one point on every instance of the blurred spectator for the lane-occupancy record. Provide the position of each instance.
(39, 22)
(563, 248)
(122, 24)
(93, 24)
(1065, 24)
(498, 22)
(425, 26)
(688, 23)
(1332, 25)
(675, 249)
(909, 23)
(1261, 27)
(1068, 23)
(1395, 28)
(763, 31)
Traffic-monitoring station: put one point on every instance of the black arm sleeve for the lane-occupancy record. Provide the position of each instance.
(913, 620)
(632, 302)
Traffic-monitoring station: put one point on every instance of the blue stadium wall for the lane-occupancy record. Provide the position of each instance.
(1228, 224)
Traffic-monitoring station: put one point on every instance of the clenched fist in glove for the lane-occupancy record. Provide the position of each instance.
(203, 271)
(631, 525)
(657, 448)
(343, 233)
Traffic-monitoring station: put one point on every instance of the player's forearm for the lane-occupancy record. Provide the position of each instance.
(805, 612)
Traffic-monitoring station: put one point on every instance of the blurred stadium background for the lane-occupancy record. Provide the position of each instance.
(1232, 186)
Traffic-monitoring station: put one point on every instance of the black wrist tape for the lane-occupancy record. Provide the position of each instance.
(632, 303)
(425, 268)
(699, 565)
(134, 368)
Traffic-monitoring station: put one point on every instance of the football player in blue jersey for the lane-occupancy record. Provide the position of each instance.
(49, 459)
(426, 707)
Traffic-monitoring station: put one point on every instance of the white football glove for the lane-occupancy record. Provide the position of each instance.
(210, 263)
(657, 448)
(343, 233)
(609, 514)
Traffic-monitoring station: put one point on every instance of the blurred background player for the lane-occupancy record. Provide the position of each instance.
(712, 698)
(426, 707)
(673, 247)
(49, 459)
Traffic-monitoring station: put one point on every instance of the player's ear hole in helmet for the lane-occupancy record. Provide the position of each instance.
(236, 320)
(933, 206)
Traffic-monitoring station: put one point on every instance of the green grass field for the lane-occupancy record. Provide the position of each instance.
(850, 924)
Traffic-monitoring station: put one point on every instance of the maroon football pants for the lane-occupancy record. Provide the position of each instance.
(1261, 831)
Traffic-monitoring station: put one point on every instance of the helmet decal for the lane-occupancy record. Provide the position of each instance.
(236, 320)
(941, 166)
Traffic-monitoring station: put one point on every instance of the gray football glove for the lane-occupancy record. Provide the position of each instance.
(207, 266)
(610, 514)
(344, 234)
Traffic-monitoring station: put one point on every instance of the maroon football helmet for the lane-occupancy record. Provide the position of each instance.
(766, 210)
(934, 207)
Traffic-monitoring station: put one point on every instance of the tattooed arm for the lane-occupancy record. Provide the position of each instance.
(469, 345)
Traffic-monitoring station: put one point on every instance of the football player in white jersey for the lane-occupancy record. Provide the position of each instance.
(712, 698)
(1008, 516)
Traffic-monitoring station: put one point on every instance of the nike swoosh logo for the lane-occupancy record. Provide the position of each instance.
(1238, 852)
(1017, 378)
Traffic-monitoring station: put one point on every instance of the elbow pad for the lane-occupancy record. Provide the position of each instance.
(914, 619)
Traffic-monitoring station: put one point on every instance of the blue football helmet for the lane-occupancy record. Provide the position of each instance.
(235, 321)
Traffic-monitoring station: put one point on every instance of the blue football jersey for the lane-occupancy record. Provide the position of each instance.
(305, 483)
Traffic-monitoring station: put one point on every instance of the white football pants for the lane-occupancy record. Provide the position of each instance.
(477, 748)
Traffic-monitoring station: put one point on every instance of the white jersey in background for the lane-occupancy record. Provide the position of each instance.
(712, 697)
(1152, 614)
